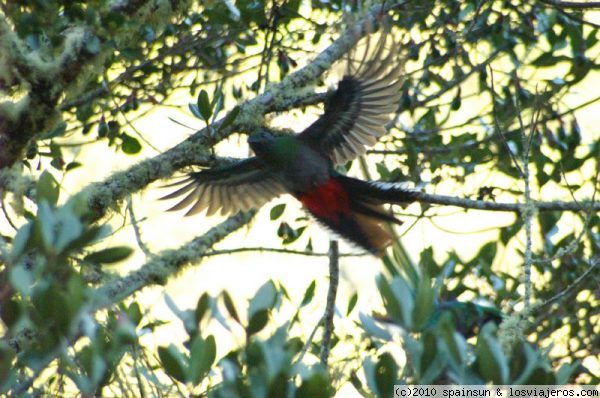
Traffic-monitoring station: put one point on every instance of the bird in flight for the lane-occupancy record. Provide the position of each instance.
(304, 165)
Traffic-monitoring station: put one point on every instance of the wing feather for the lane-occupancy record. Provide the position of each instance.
(245, 194)
(213, 200)
(189, 199)
(242, 185)
(357, 112)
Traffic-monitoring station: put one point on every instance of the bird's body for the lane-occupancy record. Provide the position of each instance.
(303, 165)
(300, 166)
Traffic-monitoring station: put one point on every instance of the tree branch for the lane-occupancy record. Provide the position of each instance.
(280, 96)
(465, 203)
(45, 81)
(334, 280)
(166, 264)
(104, 195)
(281, 250)
(571, 288)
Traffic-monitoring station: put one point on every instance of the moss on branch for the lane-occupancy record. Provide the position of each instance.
(168, 263)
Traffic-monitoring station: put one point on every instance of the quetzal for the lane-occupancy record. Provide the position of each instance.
(303, 165)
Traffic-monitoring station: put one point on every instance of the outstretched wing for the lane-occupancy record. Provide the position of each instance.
(242, 185)
(357, 112)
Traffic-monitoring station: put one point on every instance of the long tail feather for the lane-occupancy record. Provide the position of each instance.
(353, 209)
(359, 229)
(378, 192)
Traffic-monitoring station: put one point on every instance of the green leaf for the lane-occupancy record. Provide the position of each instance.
(398, 300)
(230, 306)
(549, 59)
(202, 357)
(130, 144)
(352, 303)
(217, 102)
(204, 106)
(47, 188)
(369, 369)
(52, 307)
(109, 256)
(174, 362)
(252, 12)
(21, 279)
(524, 362)
(46, 222)
(131, 54)
(264, 299)
(257, 322)
(187, 317)
(202, 307)
(58, 131)
(369, 325)
(491, 361)
(88, 236)
(386, 374)
(423, 303)
(21, 240)
(69, 228)
(134, 313)
(486, 255)
(102, 128)
(149, 34)
(309, 293)
(277, 211)
(456, 103)
(195, 111)
(229, 118)
(72, 165)
(507, 233)
(316, 386)
(565, 372)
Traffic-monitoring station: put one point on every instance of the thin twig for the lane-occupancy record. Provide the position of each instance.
(136, 229)
(572, 246)
(7, 216)
(166, 264)
(498, 128)
(527, 208)
(308, 342)
(280, 250)
(571, 288)
(334, 279)
(466, 203)
(112, 98)
(41, 365)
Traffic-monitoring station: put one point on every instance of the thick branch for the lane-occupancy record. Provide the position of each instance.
(281, 96)
(106, 194)
(166, 264)
(44, 81)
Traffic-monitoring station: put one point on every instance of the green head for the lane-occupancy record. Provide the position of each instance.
(275, 149)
